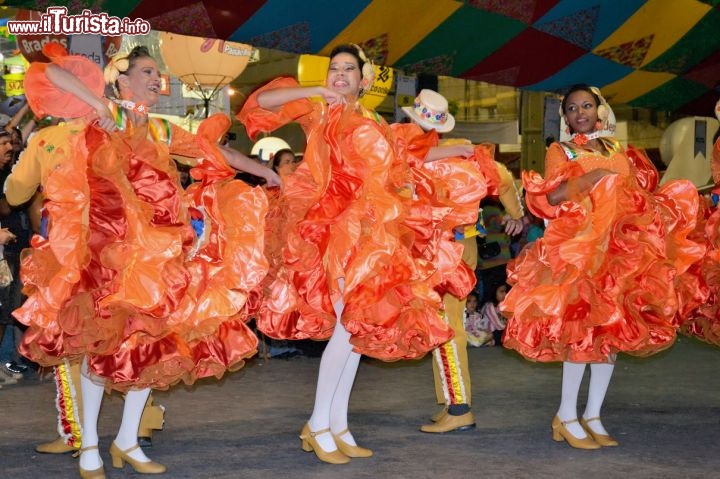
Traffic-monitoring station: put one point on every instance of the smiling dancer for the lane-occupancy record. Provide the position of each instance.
(600, 280)
(122, 281)
(348, 266)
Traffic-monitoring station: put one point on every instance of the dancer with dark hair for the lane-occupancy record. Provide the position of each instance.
(601, 279)
(347, 265)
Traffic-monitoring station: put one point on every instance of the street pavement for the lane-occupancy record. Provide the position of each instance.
(664, 411)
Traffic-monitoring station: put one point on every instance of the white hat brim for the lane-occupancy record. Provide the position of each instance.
(426, 125)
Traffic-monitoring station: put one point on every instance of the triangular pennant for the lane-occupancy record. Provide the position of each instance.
(376, 49)
(578, 28)
(706, 73)
(521, 10)
(630, 53)
(439, 65)
(191, 20)
(508, 76)
(294, 38)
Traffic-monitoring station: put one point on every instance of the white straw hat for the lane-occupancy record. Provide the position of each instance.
(430, 111)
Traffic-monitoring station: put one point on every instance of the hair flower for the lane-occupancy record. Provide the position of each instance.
(117, 65)
(368, 69)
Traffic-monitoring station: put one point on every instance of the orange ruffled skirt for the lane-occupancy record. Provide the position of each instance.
(390, 306)
(604, 277)
(703, 322)
(123, 279)
(447, 194)
(347, 213)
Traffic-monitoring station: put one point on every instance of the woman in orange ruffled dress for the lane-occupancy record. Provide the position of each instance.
(347, 264)
(703, 322)
(122, 279)
(602, 279)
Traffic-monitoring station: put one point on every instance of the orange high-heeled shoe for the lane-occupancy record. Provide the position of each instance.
(348, 449)
(560, 433)
(602, 439)
(120, 457)
(98, 473)
(310, 444)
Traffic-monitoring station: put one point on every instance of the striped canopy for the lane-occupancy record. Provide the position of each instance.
(660, 54)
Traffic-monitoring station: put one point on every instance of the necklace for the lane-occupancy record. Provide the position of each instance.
(581, 139)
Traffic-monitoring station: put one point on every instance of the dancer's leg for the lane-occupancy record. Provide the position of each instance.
(92, 394)
(571, 379)
(132, 412)
(332, 365)
(68, 402)
(341, 399)
(600, 375)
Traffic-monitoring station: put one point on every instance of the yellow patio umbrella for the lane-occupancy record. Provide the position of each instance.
(204, 65)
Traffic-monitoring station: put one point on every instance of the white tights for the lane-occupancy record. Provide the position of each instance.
(92, 392)
(600, 374)
(338, 367)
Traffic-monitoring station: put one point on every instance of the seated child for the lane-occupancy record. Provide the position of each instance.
(477, 326)
(492, 315)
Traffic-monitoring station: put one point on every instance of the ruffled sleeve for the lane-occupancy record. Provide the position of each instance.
(413, 142)
(557, 170)
(260, 120)
(45, 98)
(485, 161)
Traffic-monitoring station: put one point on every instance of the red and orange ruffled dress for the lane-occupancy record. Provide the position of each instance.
(603, 278)
(122, 277)
(447, 192)
(703, 323)
(346, 214)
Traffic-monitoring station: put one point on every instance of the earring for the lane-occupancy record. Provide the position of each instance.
(598, 125)
(567, 129)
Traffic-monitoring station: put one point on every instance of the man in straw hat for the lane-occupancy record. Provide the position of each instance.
(475, 174)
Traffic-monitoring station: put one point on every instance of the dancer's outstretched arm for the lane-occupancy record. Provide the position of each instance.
(71, 84)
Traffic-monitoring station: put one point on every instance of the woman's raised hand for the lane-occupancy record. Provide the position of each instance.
(105, 119)
(330, 96)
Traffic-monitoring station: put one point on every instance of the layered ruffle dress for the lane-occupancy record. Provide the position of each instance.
(448, 193)
(603, 279)
(703, 322)
(145, 280)
(349, 213)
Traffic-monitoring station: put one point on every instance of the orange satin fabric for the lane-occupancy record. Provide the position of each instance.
(604, 277)
(447, 192)
(348, 212)
(46, 99)
(704, 321)
(122, 277)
